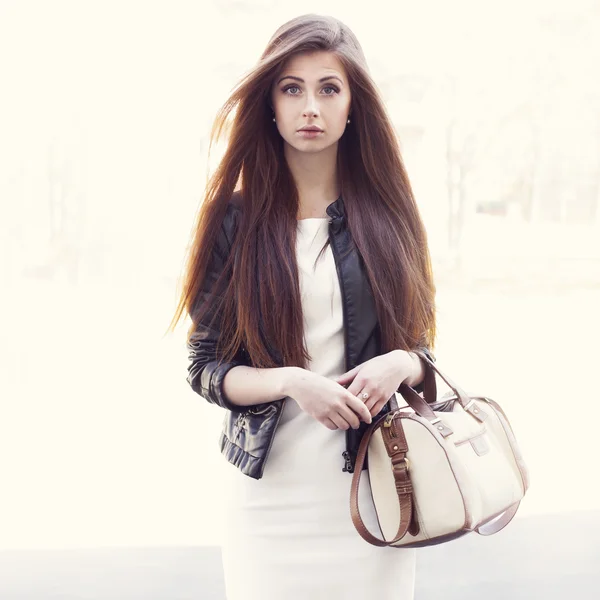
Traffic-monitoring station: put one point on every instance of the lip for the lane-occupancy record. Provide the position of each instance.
(311, 128)
(310, 134)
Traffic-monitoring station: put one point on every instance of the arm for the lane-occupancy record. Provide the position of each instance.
(205, 371)
(247, 386)
(206, 374)
(231, 385)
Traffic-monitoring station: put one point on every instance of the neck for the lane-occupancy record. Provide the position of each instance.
(315, 175)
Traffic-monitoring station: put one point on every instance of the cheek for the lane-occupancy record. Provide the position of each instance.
(341, 113)
(277, 105)
(282, 110)
(341, 107)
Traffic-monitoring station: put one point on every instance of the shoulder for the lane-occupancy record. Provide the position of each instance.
(236, 201)
(234, 207)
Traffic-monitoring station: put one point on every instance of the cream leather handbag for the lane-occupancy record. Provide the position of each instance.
(439, 469)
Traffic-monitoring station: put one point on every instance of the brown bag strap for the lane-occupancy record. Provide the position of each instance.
(396, 445)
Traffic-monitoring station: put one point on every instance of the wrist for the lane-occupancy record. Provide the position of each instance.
(417, 371)
(288, 380)
(410, 364)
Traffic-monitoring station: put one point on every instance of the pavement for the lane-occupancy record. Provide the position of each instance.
(554, 557)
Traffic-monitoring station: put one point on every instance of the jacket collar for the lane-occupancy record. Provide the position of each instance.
(336, 209)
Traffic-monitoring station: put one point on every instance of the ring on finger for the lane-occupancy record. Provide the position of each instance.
(364, 396)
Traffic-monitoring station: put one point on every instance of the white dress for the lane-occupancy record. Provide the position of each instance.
(289, 535)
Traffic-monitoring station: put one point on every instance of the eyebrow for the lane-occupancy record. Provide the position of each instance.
(302, 80)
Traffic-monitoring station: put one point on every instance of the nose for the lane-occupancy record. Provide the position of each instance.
(311, 109)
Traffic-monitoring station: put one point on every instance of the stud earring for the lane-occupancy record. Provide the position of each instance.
(273, 119)
(348, 121)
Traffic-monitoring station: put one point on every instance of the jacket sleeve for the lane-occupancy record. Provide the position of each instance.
(205, 371)
(419, 388)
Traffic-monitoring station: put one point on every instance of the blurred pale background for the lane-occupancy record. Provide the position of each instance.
(105, 112)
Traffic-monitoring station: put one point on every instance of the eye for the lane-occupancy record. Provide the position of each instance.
(287, 89)
(333, 89)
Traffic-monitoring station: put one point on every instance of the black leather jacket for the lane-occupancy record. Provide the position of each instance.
(248, 432)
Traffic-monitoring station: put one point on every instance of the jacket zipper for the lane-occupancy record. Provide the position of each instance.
(348, 468)
(348, 463)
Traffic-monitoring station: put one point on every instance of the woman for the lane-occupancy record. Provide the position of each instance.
(308, 284)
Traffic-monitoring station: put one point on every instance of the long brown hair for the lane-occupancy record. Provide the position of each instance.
(258, 293)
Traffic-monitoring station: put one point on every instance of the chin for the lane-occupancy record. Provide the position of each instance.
(312, 147)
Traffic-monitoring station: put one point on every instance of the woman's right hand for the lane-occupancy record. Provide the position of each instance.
(326, 400)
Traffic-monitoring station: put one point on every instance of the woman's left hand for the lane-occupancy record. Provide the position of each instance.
(379, 378)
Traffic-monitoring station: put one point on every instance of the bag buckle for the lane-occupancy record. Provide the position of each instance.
(405, 461)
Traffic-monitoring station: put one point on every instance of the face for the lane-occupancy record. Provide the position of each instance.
(312, 91)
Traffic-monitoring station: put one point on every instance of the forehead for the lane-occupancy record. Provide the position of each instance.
(314, 64)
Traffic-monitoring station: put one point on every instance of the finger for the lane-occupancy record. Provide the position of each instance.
(329, 424)
(376, 409)
(371, 402)
(339, 421)
(358, 407)
(347, 377)
(357, 386)
(349, 415)
(367, 397)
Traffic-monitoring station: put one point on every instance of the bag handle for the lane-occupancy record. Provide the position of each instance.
(430, 391)
(429, 384)
(397, 451)
(500, 522)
